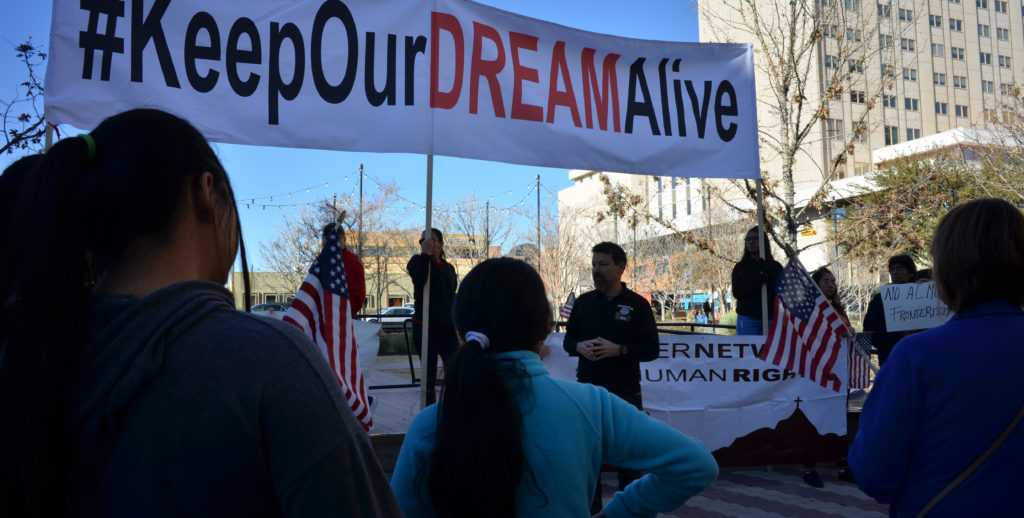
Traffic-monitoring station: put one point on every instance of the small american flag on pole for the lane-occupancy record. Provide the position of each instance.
(860, 368)
(321, 310)
(805, 335)
(566, 310)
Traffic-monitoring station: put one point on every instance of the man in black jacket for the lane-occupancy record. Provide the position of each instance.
(611, 329)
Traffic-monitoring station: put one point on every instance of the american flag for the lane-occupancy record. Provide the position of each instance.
(321, 310)
(860, 368)
(566, 310)
(805, 334)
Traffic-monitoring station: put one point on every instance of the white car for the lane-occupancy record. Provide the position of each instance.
(393, 316)
(270, 310)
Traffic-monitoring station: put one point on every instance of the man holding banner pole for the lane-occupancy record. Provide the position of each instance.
(611, 329)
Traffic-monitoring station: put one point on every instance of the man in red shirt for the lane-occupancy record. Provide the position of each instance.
(353, 270)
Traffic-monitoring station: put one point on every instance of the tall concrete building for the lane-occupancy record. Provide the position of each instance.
(909, 69)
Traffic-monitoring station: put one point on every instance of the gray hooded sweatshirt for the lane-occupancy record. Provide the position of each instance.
(182, 406)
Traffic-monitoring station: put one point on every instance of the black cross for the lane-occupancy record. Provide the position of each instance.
(797, 401)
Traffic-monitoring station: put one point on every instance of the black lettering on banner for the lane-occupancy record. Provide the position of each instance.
(412, 47)
(727, 110)
(328, 92)
(376, 97)
(700, 109)
(741, 374)
(289, 91)
(677, 89)
(106, 42)
(144, 30)
(645, 108)
(202, 20)
(234, 56)
(662, 82)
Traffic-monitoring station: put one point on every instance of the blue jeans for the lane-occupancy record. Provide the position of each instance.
(748, 326)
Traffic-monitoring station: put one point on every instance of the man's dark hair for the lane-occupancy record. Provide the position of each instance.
(612, 249)
(905, 261)
(328, 228)
(978, 254)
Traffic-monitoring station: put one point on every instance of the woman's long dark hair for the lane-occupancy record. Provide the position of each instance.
(479, 459)
(83, 208)
(835, 299)
(754, 255)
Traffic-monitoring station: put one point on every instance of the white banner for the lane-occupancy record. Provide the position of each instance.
(448, 77)
(910, 307)
(745, 410)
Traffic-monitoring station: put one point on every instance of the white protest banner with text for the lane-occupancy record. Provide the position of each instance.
(448, 77)
(716, 389)
(910, 307)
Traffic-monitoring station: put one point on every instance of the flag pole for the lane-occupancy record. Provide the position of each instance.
(425, 379)
(761, 250)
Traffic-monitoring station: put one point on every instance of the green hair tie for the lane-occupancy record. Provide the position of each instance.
(90, 143)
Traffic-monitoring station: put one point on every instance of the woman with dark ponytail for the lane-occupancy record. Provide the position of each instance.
(507, 440)
(129, 384)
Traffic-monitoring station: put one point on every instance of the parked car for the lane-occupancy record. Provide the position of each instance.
(393, 316)
(270, 310)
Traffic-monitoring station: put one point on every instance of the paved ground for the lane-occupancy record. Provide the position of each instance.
(754, 492)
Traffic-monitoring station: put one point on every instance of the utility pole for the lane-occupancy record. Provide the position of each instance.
(359, 246)
(538, 223)
(487, 230)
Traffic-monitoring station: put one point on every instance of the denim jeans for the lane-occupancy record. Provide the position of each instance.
(748, 326)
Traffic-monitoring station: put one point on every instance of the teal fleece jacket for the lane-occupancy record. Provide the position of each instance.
(569, 430)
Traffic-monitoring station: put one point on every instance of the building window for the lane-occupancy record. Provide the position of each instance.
(889, 101)
(956, 53)
(860, 131)
(913, 133)
(829, 31)
(834, 129)
(1000, 6)
(1002, 34)
(892, 135)
(831, 62)
(983, 30)
(910, 104)
(857, 96)
(956, 25)
(982, 4)
(661, 214)
(855, 65)
(990, 115)
(939, 79)
(959, 81)
(935, 20)
(1004, 61)
(884, 11)
(906, 15)
(954, 1)
(861, 168)
(986, 58)
(689, 208)
(938, 50)
(907, 44)
(674, 214)
(853, 34)
(884, 41)
(910, 74)
(1005, 88)
(941, 108)
(986, 86)
(851, 5)
(960, 110)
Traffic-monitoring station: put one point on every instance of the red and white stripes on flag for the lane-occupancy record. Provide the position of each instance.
(860, 368)
(806, 332)
(566, 310)
(321, 310)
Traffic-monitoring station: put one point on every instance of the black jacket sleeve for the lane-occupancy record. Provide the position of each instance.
(417, 268)
(645, 347)
(874, 317)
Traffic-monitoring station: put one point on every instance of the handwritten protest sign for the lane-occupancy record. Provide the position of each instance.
(913, 306)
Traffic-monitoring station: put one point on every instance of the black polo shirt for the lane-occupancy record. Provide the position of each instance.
(625, 319)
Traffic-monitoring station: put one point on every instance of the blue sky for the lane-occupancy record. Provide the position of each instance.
(262, 171)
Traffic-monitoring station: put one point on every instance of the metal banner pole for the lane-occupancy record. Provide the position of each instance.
(425, 380)
(762, 252)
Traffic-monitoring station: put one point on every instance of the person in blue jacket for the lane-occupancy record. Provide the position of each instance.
(946, 394)
(508, 440)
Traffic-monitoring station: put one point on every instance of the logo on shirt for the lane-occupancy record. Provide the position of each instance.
(625, 313)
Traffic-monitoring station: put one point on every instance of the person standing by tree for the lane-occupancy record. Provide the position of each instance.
(611, 330)
(748, 276)
(443, 281)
